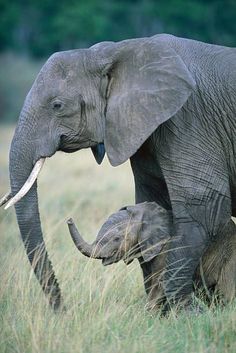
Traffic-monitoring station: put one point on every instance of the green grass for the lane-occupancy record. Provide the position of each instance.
(105, 306)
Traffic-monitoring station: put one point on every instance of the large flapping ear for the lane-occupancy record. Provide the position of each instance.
(155, 230)
(148, 84)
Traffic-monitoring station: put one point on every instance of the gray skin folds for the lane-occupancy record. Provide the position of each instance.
(166, 103)
(143, 231)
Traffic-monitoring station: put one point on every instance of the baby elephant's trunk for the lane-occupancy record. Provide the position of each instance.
(86, 249)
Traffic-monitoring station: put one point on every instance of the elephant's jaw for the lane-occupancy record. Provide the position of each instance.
(98, 149)
(114, 259)
(127, 256)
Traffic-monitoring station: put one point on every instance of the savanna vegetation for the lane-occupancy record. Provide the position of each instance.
(104, 306)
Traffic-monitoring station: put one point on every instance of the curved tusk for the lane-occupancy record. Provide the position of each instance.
(5, 198)
(28, 184)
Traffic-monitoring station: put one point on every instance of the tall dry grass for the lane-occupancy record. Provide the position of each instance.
(105, 307)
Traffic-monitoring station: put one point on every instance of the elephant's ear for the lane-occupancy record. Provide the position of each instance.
(156, 228)
(148, 84)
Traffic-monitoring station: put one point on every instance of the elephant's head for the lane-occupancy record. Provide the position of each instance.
(133, 232)
(114, 94)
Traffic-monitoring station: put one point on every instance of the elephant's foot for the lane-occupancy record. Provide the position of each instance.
(55, 299)
(158, 307)
(154, 306)
(191, 306)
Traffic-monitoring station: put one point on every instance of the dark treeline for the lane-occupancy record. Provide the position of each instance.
(31, 30)
(40, 27)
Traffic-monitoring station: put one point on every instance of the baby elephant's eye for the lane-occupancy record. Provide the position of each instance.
(116, 239)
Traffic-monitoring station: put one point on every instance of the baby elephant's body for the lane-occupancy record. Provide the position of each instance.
(145, 231)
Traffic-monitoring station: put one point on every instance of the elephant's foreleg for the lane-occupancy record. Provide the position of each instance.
(147, 274)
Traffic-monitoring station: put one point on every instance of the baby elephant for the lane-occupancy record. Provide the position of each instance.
(144, 231)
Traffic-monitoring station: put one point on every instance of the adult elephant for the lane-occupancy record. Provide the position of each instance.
(166, 103)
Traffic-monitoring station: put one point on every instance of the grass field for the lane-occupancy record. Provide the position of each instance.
(105, 307)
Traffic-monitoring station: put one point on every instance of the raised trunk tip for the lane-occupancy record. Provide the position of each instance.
(85, 248)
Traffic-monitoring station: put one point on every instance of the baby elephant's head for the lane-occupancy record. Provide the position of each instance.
(133, 231)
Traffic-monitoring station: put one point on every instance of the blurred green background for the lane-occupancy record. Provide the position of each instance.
(31, 30)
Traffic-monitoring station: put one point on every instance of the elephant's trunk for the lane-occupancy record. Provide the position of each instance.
(86, 249)
(22, 157)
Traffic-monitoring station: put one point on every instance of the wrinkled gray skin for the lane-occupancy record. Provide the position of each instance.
(132, 232)
(144, 232)
(166, 103)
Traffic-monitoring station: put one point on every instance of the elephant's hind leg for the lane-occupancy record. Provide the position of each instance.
(226, 285)
(195, 227)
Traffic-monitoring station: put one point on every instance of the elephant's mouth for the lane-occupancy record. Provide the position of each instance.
(69, 146)
(73, 144)
(69, 149)
(107, 262)
(110, 260)
(128, 257)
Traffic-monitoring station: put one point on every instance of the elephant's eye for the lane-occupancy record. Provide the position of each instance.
(57, 106)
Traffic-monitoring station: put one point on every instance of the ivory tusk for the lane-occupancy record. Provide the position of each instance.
(28, 184)
(5, 198)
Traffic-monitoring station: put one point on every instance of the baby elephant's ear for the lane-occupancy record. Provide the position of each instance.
(155, 231)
